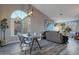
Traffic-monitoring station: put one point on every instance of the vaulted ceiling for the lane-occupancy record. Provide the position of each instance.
(59, 12)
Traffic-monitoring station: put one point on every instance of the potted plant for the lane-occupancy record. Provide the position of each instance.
(3, 27)
(67, 30)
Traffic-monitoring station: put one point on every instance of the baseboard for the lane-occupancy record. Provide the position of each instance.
(9, 43)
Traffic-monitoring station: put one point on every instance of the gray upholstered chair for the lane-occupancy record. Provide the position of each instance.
(24, 40)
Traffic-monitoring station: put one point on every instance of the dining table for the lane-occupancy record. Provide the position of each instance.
(34, 39)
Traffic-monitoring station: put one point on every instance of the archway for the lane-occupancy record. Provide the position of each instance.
(17, 18)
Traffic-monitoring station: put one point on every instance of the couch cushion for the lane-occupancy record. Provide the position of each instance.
(54, 36)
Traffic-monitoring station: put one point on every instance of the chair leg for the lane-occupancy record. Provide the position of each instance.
(25, 52)
(38, 43)
(21, 45)
(31, 46)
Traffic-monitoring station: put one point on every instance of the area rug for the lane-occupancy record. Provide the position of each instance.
(48, 48)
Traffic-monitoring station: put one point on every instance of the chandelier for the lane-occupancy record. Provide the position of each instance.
(29, 14)
(30, 10)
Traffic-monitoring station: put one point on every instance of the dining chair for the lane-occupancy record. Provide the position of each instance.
(28, 40)
(24, 40)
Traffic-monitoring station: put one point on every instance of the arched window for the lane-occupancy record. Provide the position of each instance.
(16, 25)
(18, 13)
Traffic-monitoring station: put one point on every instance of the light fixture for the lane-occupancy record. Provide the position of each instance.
(30, 10)
(30, 13)
(17, 21)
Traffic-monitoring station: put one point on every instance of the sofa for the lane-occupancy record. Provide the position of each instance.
(54, 36)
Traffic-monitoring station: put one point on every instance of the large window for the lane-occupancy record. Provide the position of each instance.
(50, 27)
(17, 24)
